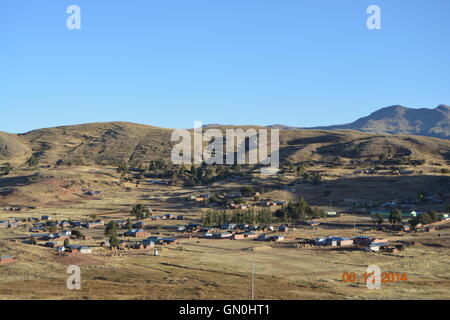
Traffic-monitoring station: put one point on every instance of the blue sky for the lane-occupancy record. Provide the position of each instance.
(168, 63)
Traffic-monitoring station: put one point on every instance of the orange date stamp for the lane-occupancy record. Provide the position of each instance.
(373, 277)
(385, 277)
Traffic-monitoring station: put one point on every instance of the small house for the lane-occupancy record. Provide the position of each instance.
(148, 242)
(152, 239)
(222, 235)
(73, 248)
(85, 250)
(64, 224)
(238, 236)
(312, 223)
(374, 247)
(338, 241)
(263, 237)
(13, 225)
(4, 259)
(250, 235)
(168, 240)
(228, 226)
(363, 241)
(320, 241)
(139, 225)
(276, 238)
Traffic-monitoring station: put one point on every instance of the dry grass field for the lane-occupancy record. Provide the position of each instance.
(199, 268)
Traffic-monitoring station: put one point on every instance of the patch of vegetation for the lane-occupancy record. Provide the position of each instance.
(425, 218)
(298, 211)
(251, 217)
(139, 211)
(32, 161)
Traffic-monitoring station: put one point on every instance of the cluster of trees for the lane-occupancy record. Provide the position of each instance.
(251, 217)
(111, 232)
(224, 202)
(296, 168)
(140, 211)
(311, 177)
(298, 211)
(195, 175)
(387, 159)
(396, 217)
(299, 169)
(425, 218)
(72, 161)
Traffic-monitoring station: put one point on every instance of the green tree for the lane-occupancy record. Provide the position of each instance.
(114, 241)
(66, 242)
(246, 191)
(111, 229)
(433, 215)
(395, 216)
(129, 224)
(425, 218)
(139, 211)
(77, 234)
(32, 161)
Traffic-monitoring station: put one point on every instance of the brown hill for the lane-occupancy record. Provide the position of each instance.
(113, 142)
(13, 149)
(99, 143)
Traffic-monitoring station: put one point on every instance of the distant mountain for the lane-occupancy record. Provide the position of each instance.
(401, 120)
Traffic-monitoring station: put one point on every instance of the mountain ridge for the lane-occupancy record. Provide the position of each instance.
(399, 119)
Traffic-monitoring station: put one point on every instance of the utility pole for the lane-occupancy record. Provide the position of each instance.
(253, 280)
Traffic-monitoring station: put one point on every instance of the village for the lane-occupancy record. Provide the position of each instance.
(374, 230)
(195, 232)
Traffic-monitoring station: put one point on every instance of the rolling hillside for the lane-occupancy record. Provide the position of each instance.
(113, 142)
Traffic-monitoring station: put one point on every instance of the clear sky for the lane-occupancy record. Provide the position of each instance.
(170, 62)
